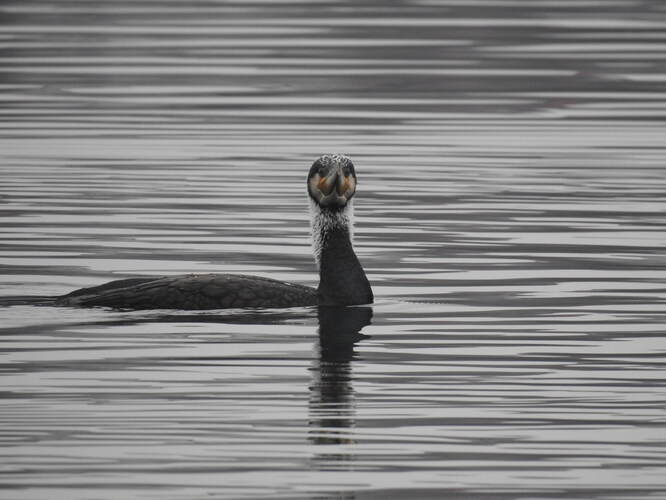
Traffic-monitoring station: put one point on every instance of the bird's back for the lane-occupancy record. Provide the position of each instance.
(193, 292)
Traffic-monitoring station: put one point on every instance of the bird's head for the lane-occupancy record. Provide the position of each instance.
(332, 181)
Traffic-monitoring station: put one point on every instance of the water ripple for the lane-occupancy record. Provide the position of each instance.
(510, 217)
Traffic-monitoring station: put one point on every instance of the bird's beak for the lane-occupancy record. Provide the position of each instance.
(327, 184)
(342, 184)
(334, 189)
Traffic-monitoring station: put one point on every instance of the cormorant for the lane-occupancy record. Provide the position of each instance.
(331, 185)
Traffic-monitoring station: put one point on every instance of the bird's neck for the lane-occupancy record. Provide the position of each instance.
(342, 280)
(327, 222)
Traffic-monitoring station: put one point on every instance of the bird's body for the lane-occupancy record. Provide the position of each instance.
(194, 291)
(331, 185)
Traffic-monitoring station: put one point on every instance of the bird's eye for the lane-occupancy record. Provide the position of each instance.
(322, 171)
(346, 171)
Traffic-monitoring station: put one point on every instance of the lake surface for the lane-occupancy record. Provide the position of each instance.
(510, 216)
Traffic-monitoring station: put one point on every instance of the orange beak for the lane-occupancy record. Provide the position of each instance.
(326, 184)
(342, 184)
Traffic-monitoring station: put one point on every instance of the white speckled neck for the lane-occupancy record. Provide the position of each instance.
(324, 221)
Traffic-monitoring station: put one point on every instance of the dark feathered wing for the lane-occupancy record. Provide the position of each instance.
(210, 291)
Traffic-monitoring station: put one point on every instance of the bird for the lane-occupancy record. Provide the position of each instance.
(331, 186)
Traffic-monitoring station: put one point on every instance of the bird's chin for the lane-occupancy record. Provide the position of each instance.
(336, 202)
(332, 200)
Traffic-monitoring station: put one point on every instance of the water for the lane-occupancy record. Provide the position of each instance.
(510, 216)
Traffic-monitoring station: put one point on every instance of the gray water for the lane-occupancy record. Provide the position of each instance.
(510, 216)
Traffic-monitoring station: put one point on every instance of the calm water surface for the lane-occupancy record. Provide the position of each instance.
(510, 216)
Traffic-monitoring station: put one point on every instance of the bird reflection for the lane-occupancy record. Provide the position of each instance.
(332, 398)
